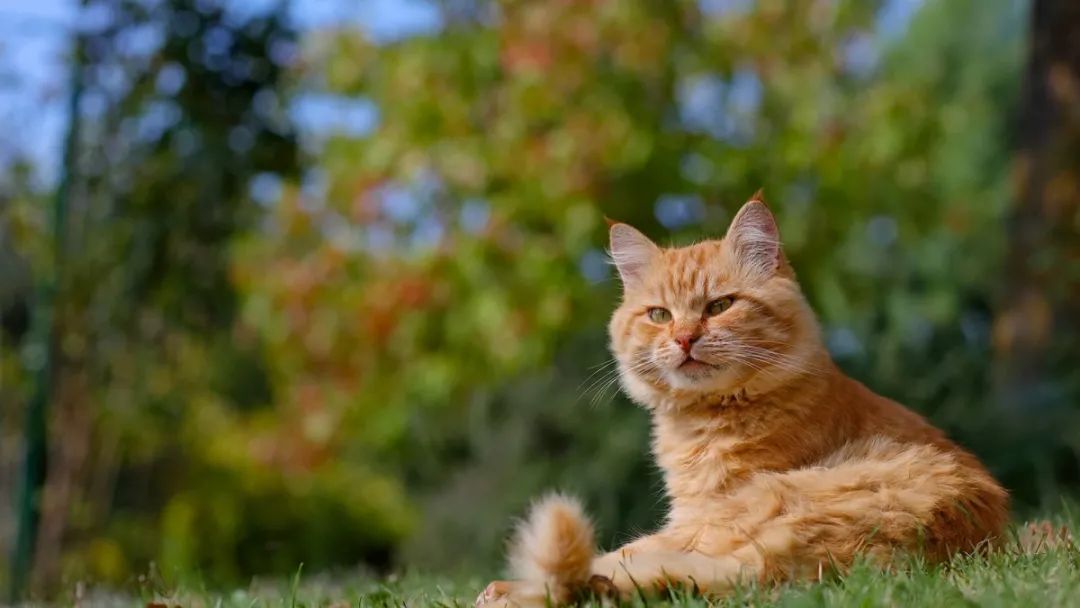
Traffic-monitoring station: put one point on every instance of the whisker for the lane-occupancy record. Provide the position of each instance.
(601, 369)
(609, 378)
(744, 353)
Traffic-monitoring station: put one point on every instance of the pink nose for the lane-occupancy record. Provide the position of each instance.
(686, 341)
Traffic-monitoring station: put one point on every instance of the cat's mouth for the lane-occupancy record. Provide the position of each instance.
(692, 364)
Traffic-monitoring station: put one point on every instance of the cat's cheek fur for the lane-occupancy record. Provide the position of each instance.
(667, 355)
(640, 392)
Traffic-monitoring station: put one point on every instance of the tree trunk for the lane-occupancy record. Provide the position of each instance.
(1036, 326)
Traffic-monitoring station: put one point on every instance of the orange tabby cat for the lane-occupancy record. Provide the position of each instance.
(776, 464)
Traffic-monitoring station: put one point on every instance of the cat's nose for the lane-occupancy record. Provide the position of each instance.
(686, 341)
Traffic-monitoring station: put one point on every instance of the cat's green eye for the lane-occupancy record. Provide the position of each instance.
(718, 306)
(659, 315)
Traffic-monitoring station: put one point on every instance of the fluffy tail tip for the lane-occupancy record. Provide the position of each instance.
(554, 545)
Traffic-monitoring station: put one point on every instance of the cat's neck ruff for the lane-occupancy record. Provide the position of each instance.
(707, 446)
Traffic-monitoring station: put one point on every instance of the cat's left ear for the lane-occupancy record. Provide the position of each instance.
(755, 238)
(631, 251)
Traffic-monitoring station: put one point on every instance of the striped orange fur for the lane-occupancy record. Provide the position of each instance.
(776, 464)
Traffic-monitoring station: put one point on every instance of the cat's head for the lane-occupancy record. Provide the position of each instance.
(715, 318)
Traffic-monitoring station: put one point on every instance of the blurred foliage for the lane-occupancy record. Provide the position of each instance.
(468, 343)
(387, 358)
(152, 457)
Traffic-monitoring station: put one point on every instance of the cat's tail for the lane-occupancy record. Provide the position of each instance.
(554, 547)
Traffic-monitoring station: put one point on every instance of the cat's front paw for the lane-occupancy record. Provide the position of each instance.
(495, 591)
(522, 594)
(510, 594)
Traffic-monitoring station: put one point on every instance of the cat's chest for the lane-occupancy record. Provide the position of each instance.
(690, 452)
(698, 463)
(702, 463)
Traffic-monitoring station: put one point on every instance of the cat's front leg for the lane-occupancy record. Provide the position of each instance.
(651, 572)
(661, 541)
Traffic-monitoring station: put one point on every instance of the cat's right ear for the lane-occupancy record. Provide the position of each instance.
(631, 251)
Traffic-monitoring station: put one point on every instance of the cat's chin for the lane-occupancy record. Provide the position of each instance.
(693, 366)
(699, 376)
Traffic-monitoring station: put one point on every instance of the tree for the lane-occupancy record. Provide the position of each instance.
(1037, 329)
(1040, 304)
(184, 105)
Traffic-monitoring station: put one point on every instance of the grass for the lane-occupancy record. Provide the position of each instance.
(1047, 578)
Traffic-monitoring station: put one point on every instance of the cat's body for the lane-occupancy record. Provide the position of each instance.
(777, 465)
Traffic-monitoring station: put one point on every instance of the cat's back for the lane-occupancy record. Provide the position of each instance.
(880, 417)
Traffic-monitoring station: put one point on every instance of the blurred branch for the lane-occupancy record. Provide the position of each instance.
(33, 475)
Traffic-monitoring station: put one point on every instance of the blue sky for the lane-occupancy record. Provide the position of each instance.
(35, 34)
(34, 37)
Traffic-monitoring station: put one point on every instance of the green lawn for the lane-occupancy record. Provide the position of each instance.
(1045, 578)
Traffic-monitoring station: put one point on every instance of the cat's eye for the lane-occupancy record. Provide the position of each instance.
(718, 306)
(659, 315)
